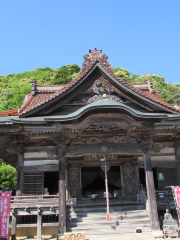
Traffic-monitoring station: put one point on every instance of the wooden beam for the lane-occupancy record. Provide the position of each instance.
(113, 148)
(40, 168)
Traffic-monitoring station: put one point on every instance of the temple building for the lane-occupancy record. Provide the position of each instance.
(57, 137)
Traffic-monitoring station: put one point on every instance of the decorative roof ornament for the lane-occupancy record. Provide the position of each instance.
(150, 85)
(94, 56)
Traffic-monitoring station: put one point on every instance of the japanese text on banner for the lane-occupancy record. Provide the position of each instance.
(4, 213)
(176, 191)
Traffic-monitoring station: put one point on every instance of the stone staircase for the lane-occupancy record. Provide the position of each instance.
(90, 217)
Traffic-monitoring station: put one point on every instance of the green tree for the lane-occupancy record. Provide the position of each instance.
(74, 68)
(62, 76)
(8, 176)
(122, 73)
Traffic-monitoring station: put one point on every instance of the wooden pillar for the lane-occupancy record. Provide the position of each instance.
(136, 177)
(62, 196)
(80, 183)
(19, 187)
(153, 214)
(67, 184)
(122, 180)
(13, 228)
(39, 224)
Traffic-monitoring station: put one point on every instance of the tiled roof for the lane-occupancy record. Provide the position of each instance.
(147, 94)
(42, 94)
(13, 112)
(49, 88)
(41, 98)
(141, 86)
(143, 83)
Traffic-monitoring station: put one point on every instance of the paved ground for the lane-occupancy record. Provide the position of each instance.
(108, 238)
(135, 237)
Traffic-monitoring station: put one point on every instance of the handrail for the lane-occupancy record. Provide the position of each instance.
(145, 200)
(36, 196)
(38, 201)
(163, 198)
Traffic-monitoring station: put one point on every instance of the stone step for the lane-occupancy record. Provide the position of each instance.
(103, 209)
(104, 204)
(108, 230)
(112, 214)
(107, 225)
(102, 218)
(101, 215)
(104, 221)
(126, 214)
(120, 236)
(91, 219)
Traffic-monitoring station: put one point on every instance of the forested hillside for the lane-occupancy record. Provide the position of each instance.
(14, 87)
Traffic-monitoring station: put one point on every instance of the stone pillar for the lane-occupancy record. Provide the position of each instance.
(19, 188)
(148, 148)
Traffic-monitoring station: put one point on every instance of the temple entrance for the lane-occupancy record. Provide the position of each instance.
(93, 181)
(51, 183)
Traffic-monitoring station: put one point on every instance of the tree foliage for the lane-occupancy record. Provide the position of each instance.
(14, 87)
(8, 176)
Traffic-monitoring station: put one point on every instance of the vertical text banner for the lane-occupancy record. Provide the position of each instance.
(4, 213)
(176, 193)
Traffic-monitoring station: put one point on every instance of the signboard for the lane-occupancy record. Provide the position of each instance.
(102, 166)
(176, 193)
(98, 156)
(4, 213)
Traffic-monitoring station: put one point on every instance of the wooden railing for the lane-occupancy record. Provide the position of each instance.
(145, 200)
(38, 205)
(164, 200)
(34, 201)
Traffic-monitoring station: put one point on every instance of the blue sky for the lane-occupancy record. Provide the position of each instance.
(142, 36)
